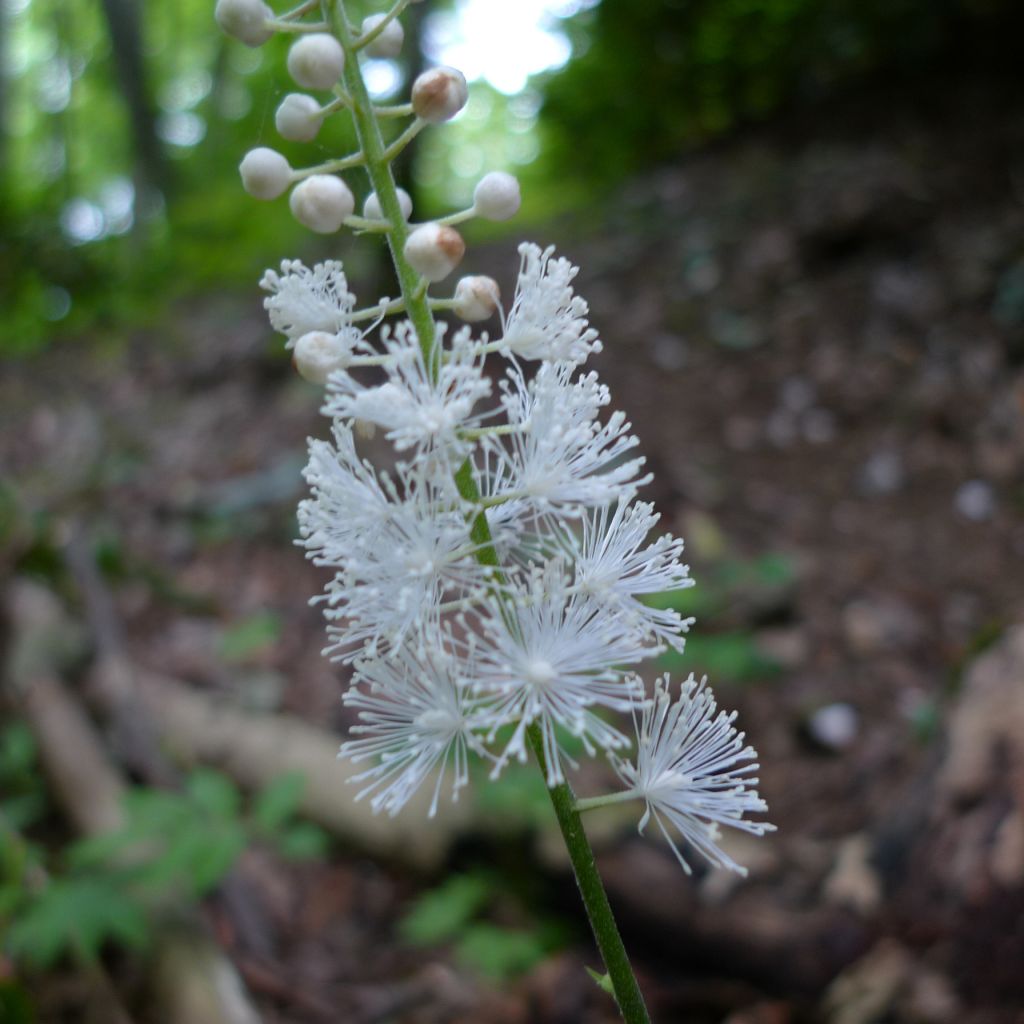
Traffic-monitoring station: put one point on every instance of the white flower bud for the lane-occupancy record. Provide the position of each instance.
(389, 42)
(372, 210)
(265, 173)
(318, 354)
(439, 94)
(245, 20)
(298, 117)
(434, 251)
(476, 298)
(496, 196)
(321, 203)
(316, 61)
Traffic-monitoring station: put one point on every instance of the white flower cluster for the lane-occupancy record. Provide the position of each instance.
(456, 654)
(489, 583)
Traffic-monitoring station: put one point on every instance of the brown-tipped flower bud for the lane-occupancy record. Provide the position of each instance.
(434, 251)
(389, 42)
(372, 210)
(245, 20)
(476, 298)
(496, 196)
(321, 203)
(265, 173)
(298, 117)
(318, 354)
(439, 94)
(316, 61)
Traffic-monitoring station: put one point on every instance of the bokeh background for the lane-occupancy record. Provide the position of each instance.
(801, 228)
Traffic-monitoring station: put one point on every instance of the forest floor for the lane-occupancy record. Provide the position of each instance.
(818, 332)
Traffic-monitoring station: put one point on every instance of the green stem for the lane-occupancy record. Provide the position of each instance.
(595, 899)
(417, 305)
(371, 142)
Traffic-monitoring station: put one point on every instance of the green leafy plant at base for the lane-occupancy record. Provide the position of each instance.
(174, 847)
(453, 912)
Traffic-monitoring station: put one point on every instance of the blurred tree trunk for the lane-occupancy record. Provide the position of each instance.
(124, 28)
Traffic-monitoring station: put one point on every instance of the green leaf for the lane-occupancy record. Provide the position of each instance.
(279, 801)
(214, 793)
(80, 914)
(733, 656)
(17, 750)
(441, 913)
(304, 841)
(603, 981)
(500, 953)
(250, 637)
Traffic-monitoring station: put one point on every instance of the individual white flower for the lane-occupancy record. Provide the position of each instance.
(415, 720)
(399, 572)
(694, 772)
(303, 300)
(558, 455)
(388, 43)
(246, 20)
(434, 250)
(547, 321)
(476, 298)
(347, 498)
(418, 407)
(438, 94)
(265, 173)
(316, 61)
(496, 196)
(552, 665)
(612, 565)
(298, 117)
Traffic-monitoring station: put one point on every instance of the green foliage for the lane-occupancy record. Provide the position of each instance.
(654, 77)
(172, 847)
(250, 637)
(453, 912)
(732, 656)
(22, 801)
(728, 586)
(79, 915)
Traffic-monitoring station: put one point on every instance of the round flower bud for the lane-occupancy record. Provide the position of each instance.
(298, 117)
(245, 20)
(389, 42)
(434, 251)
(439, 94)
(372, 210)
(476, 298)
(496, 196)
(318, 354)
(265, 173)
(316, 61)
(321, 203)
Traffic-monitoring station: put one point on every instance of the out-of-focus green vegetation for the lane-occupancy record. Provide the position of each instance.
(456, 912)
(106, 889)
(122, 123)
(652, 78)
(117, 197)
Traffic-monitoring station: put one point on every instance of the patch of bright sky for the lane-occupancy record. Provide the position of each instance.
(502, 41)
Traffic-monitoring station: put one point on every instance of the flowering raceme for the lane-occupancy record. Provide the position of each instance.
(448, 649)
(489, 578)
